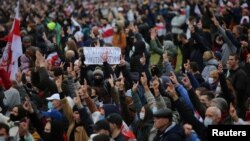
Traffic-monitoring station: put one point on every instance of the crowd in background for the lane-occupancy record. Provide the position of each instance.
(185, 64)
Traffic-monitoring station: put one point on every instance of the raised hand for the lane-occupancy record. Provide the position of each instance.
(62, 64)
(171, 91)
(45, 37)
(173, 78)
(77, 99)
(186, 82)
(104, 57)
(135, 86)
(187, 66)
(143, 59)
(122, 60)
(111, 81)
(83, 92)
(220, 68)
(155, 83)
(27, 105)
(188, 128)
(54, 39)
(84, 86)
(40, 59)
(155, 86)
(144, 80)
(59, 83)
(71, 71)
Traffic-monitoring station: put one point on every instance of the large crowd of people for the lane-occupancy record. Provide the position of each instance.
(184, 65)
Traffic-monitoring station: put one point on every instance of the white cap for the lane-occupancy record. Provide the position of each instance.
(55, 96)
(120, 9)
(244, 5)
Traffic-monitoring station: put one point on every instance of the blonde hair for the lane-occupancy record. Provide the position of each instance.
(214, 74)
(70, 54)
(207, 55)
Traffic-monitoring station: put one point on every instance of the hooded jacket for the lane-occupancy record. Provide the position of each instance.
(211, 65)
(12, 97)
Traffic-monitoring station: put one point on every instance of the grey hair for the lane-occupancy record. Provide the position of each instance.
(215, 110)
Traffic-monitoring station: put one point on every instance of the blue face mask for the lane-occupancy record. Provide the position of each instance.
(2, 139)
(208, 121)
(102, 117)
(50, 105)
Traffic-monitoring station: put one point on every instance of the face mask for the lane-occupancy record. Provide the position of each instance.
(208, 121)
(210, 80)
(115, 29)
(218, 89)
(142, 116)
(102, 117)
(154, 109)
(50, 105)
(2, 138)
(14, 118)
(28, 79)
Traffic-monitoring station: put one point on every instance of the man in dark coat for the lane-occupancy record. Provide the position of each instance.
(167, 129)
(238, 78)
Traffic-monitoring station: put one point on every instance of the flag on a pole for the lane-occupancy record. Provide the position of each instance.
(13, 49)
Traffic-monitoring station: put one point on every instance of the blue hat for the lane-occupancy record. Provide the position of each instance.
(54, 114)
(218, 55)
(164, 81)
(110, 108)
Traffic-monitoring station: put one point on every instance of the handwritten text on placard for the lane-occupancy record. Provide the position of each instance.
(93, 55)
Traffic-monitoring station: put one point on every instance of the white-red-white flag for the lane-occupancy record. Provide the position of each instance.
(13, 49)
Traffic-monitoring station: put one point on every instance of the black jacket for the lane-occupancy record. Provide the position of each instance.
(188, 116)
(238, 78)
